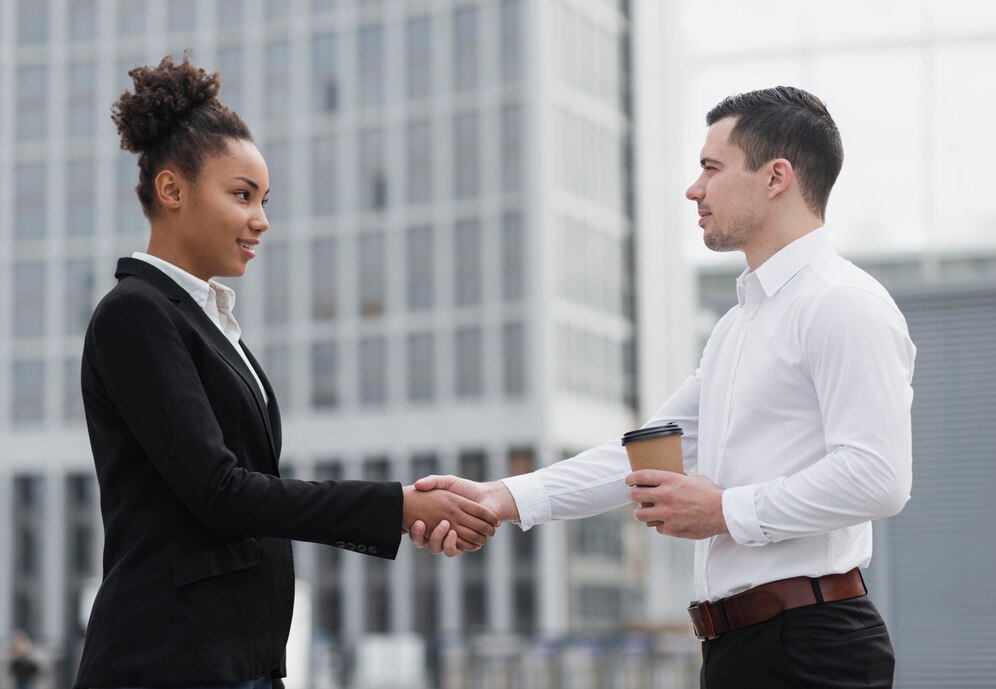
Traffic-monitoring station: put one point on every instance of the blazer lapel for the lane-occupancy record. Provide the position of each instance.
(272, 408)
(208, 330)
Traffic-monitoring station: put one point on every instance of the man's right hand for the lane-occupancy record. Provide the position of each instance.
(493, 495)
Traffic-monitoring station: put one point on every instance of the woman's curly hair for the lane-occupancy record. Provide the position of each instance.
(173, 117)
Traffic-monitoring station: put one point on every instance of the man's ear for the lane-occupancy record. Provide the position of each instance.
(168, 186)
(780, 176)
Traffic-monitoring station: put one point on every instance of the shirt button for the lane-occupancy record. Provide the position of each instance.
(361, 549)
(350, 546)
(373, 550)
(340, 544)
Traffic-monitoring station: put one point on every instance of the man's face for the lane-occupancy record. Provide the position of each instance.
(730, 198)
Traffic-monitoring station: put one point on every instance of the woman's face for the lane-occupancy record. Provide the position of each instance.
(223, 219)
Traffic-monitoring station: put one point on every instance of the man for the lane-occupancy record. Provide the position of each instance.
(797, 422)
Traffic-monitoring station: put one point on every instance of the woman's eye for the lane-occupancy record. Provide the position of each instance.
(266, 201)
(243, 195)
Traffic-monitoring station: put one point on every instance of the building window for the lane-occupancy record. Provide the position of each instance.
(466, 156)
(514, 358)
(373, 370)
(511, 149)
(469, 362)
(372, 274)
(230, 14)
(28, 396)
(324, 187)
(278, 80)
(78, 299)
(324, 73)
(80, 198)
(130, 219)
(278, 165)
(82, 87)
(513, 258)
(278, 373)
(324, 6)
(131, 18)
(371, 65)
(32, 102)
(72, 398)
(277, 10)
(82, 20)
(465, 44)
(325, 375)
(324, 279)
(181, 16)
(467, 263)
(30, 185)
(421, 271)
(276, 284)
(29, 300)
(373, 171)
(421, 367)
(418, 62)
(511, 40)
(32, 22)
(418, 170)
(230, 59)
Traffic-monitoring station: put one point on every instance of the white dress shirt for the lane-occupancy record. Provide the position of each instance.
(799, 410)
(216, 299)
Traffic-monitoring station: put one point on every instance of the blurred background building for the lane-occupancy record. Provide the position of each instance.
(480, 261)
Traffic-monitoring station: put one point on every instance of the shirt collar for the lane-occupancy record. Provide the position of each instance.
(200, 291)
(774, 273)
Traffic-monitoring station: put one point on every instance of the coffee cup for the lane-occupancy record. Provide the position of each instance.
(655, 447)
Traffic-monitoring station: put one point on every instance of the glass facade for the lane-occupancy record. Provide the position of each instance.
(394, 279)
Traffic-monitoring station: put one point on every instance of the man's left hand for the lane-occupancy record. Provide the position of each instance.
(688, 506)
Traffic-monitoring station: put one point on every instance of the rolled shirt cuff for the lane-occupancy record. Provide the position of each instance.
(530, 498)
(740, 513)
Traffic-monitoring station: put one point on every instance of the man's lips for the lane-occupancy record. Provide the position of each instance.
(702, 217)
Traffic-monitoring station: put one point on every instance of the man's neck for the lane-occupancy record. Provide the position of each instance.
(769, 241)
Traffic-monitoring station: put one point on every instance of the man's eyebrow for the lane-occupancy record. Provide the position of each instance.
(247, 181)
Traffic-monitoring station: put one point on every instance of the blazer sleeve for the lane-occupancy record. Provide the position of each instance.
(148, 374)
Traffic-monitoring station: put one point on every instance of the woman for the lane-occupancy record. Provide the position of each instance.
(198, 577)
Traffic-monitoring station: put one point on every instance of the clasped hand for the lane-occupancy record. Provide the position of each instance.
(440, 538)
(470, 523)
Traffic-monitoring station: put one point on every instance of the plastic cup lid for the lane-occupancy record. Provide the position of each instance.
(652, 432)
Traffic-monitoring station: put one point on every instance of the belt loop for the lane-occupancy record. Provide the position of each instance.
(817, 591)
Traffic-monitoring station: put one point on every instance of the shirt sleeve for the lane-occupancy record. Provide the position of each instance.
(593, 481)
(861, 360)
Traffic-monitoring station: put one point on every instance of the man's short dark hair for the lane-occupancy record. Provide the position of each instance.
(787, 122)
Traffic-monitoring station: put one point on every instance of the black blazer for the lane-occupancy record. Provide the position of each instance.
(198, 581)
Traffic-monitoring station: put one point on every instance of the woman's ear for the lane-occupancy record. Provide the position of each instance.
(168, 184)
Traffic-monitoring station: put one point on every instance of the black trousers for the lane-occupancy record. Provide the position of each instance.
(838, 645)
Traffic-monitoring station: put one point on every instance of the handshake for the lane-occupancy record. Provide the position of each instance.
(463, 514)
(452, 515)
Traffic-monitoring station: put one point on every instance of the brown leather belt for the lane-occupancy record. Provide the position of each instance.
(766, 601)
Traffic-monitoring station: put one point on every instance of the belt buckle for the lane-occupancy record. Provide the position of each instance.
(702, 622)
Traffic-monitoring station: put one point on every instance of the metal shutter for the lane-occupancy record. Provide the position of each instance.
(934, 570)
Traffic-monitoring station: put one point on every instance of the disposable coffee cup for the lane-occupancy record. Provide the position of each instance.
(656, 447)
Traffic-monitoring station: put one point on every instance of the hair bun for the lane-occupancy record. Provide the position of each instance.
(164, 97)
